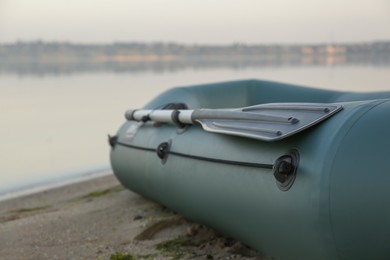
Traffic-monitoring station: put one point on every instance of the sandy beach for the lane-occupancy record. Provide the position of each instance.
(99, 219)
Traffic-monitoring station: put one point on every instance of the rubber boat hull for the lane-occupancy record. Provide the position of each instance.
(336, 207)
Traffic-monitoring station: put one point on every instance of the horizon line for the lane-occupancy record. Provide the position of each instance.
(236, 43)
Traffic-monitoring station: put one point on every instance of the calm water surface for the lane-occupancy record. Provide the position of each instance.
(55, 127)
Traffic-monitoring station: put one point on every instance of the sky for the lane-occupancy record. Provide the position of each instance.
(195, 21)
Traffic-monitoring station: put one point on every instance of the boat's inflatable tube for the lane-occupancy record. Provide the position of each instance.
(321, 193)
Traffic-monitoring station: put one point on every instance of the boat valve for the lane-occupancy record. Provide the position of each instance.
(285, 169)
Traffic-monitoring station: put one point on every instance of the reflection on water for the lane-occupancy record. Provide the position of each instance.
(234, 63)
(56, 126)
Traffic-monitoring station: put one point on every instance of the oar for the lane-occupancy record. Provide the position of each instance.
(268, 122)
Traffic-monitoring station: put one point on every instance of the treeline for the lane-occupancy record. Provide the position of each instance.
(42, 58)
(96, 52)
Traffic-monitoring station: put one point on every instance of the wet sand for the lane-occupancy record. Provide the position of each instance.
(99, 219)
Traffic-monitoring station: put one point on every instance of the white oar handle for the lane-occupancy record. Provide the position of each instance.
(161, 116)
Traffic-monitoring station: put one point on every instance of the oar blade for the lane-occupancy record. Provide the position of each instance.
(296, 117)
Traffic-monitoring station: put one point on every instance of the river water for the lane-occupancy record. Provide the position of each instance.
(54, 126)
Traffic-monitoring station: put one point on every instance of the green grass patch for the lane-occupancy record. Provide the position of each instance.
(122, 256)
(28, 210)
(147, 256)
(128, 256)
(97, 194)
(179, 247)
(20, 213)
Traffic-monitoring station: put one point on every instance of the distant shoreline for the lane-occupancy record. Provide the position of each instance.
(40, 58)
(134, 52)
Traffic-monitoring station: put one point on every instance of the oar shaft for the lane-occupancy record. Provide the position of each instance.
(239, 115)
(191, 116)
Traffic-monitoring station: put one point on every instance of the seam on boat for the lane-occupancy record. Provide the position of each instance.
(201, 158)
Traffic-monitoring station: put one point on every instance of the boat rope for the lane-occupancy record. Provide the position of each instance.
(162, 151)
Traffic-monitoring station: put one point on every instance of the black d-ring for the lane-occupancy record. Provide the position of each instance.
(163, 151)
(285, 169)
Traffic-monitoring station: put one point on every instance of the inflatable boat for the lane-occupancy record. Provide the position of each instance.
(296, 172)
